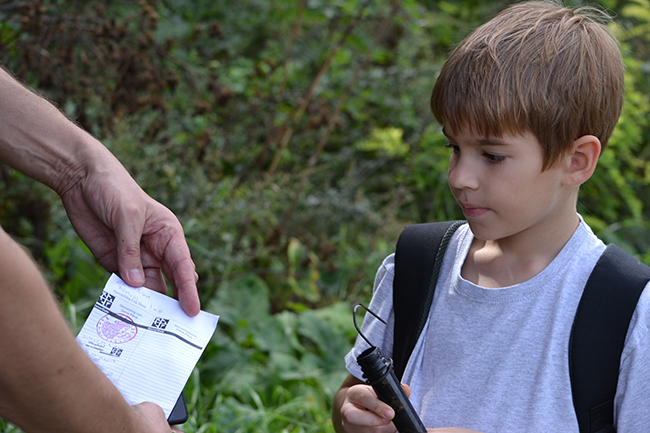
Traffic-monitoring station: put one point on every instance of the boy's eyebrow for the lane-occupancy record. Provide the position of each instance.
(492, 142)
(485, 141)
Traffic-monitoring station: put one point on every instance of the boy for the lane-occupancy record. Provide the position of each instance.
(527, 101)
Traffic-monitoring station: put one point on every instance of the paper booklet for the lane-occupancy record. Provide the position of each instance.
(144, 342)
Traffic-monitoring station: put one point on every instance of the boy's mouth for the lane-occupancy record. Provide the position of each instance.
(472, 211)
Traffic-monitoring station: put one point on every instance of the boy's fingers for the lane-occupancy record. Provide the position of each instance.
(364, 397)
(364, 418)
(407, 389)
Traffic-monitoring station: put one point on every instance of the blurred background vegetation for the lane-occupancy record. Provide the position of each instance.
(293, 140)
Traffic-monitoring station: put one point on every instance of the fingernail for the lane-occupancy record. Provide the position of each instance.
(136, 276)
(388, 415)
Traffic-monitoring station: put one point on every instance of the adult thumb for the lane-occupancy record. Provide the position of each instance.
(129, 260)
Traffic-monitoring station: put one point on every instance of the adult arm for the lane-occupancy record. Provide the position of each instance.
(128, 232)
(48, 383)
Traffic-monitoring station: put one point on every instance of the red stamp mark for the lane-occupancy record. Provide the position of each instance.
(116, 331)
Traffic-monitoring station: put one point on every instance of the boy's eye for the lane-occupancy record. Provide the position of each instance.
(454, 148)
(493, 158)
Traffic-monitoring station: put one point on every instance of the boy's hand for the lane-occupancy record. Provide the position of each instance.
(362, 411)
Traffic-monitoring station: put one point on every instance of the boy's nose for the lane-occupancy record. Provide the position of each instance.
(462, 174)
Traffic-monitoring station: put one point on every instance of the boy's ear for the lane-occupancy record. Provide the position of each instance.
(581, 160)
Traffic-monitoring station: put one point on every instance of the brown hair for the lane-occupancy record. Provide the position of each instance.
(536, 66)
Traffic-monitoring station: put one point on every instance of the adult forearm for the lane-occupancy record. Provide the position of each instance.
(38, 140)
(126, 230)
(48, 383)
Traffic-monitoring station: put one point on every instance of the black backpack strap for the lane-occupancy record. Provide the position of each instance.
(598, 336)
(418, 257)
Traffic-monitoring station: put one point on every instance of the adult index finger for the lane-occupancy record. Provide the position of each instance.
(179, 268)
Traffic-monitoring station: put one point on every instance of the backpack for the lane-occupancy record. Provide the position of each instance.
(597, 336)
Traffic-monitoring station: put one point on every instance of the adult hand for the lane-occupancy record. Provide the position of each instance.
(154, 418)
(49, 384)
(130, 233)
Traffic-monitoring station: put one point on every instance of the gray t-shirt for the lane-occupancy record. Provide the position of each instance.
(496, 360)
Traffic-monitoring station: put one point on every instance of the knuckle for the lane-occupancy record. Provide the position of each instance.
(129, 248)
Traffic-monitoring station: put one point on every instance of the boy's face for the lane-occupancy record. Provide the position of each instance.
(500, 185)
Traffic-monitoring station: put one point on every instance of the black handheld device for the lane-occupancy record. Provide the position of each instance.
(378, 372)
(179, 413)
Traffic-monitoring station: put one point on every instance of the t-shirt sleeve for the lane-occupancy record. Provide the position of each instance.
(631, 414)
(381, 304)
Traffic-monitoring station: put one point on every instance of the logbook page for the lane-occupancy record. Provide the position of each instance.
(144, 342)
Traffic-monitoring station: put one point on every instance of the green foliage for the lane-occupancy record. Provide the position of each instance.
(614, 199)
(269, 372)
(386, 141)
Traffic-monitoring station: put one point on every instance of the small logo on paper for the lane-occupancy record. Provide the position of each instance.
(106, 299)
(159, 323)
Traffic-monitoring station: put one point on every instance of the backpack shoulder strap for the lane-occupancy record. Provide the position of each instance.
(598, 336)
(418, 257)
